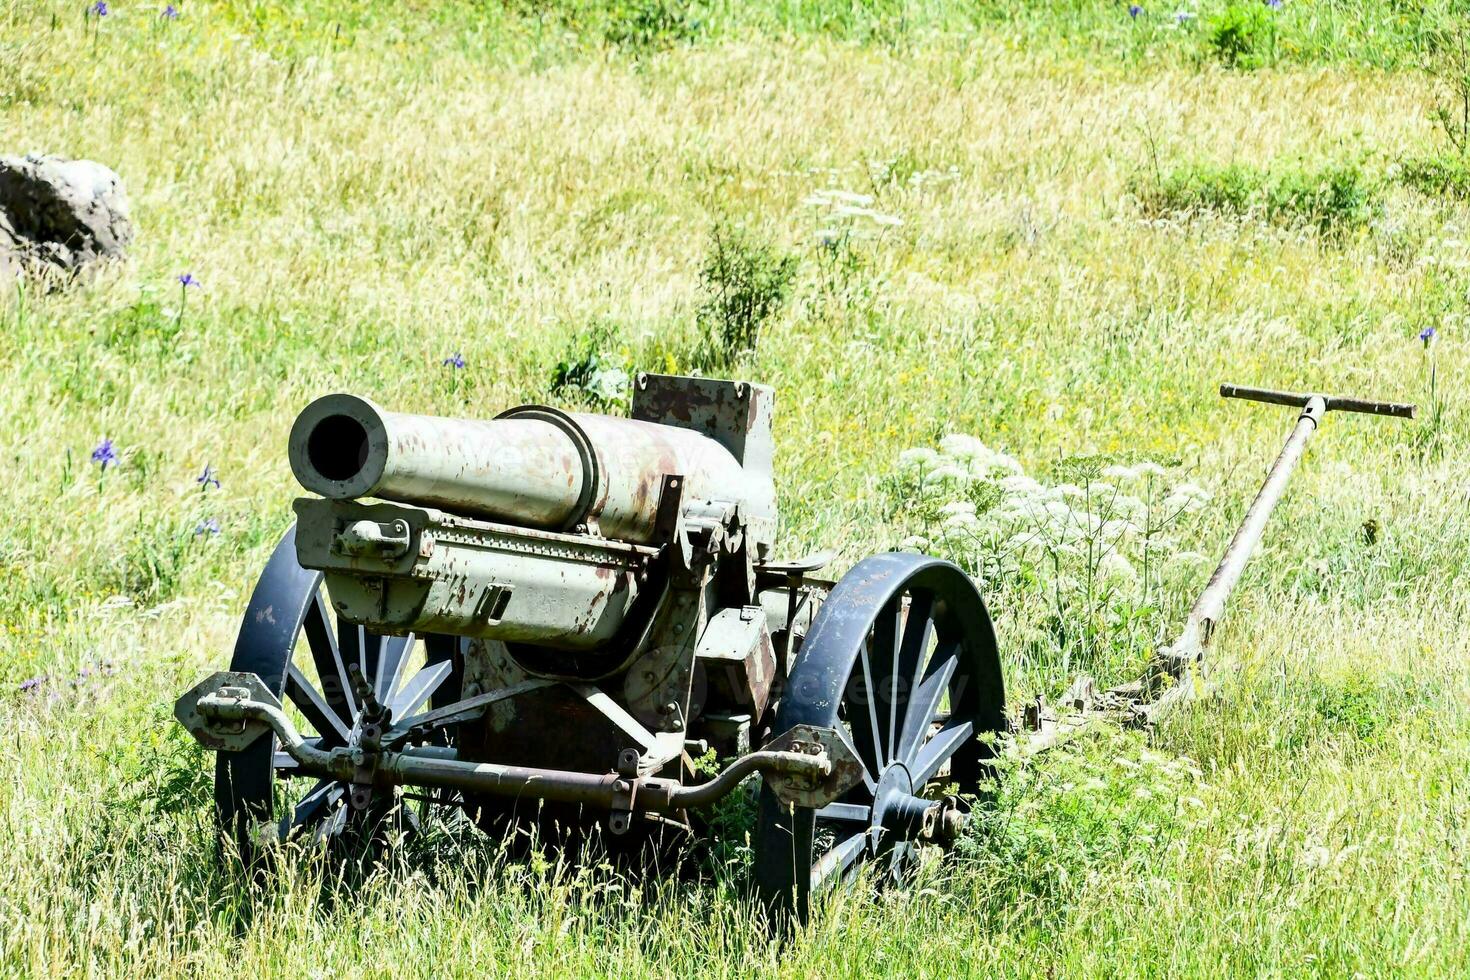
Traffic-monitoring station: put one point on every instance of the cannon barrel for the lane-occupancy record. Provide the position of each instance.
(532, 466)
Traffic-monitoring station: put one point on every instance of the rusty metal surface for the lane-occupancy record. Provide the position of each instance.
(737, 415)
(345, 447)
(738, 658)
(474, 578)
(814, 763)
(540, 467)
(224, 735)
(815, 788)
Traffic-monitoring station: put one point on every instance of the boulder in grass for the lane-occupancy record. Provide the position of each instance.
(60, 215)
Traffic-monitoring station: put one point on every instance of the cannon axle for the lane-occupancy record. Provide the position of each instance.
(812, 767)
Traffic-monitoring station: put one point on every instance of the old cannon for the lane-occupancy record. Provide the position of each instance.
(550, 614)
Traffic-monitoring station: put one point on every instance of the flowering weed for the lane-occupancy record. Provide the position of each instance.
(1082, 576)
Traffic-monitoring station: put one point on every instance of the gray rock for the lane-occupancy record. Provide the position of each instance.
(60, 214)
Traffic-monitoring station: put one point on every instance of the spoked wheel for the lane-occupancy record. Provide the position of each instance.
(903, 657)
(291, 639)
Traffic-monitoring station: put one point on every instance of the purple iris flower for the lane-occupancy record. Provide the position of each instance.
(206, 478)
(1134, 11)
(1273, 4)
(105, 455)
(170, 12)
(456, 361)
(187, 279)
(1427, 334)
(209, 525)
(100, 8)
(31, 683)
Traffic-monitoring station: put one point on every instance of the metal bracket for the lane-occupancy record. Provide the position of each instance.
(221, 734)
(815, 789)
(624, 792)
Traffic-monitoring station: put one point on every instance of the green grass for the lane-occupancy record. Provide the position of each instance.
(366, 189)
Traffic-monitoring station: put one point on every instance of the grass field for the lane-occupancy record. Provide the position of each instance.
(1099, 218)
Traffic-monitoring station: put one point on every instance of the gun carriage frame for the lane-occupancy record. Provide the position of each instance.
(556, 618)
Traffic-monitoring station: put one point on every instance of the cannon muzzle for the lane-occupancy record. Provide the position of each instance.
(532, 466)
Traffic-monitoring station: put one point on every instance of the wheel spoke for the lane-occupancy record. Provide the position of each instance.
(836, 861)
(886, 631)
(420, 689)
(937, 751)
(846, 812)
(310, 702)
(332, 826)
(313, 806)
(908, 663)
(924, 705)
(353, 642)
(917, 631)
(865, 739)
(282, 760)
(392, 657)
(331, 670)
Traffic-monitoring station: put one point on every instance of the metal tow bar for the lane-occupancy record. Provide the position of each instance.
(1169, 679)
(230, 710)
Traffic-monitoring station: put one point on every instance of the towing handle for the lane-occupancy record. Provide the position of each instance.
(1333, 403)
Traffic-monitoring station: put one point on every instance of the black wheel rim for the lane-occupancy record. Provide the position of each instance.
(290, 638)
(903, 656)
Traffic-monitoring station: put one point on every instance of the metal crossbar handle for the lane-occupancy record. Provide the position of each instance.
(1333, 403)
(1169, 680)
(1189, 649)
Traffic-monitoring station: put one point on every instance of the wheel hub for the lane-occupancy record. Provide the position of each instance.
(899, 814)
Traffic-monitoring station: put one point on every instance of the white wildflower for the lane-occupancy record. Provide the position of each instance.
(1021, 542)
(1186, 498)
(1058, 511)
(1010, 512)
(963, 520)
(1130, 507)
(1020, 485)
(1117, 569)
(958, 507)
(964, 447)
(1004, 461)
(922, 459)
(914, 542)
(850, 211)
